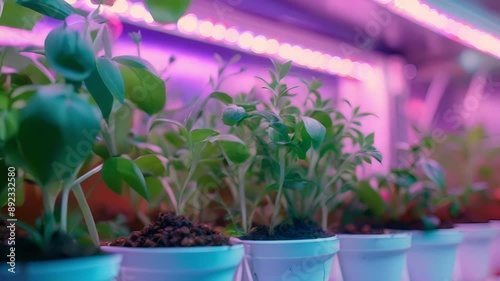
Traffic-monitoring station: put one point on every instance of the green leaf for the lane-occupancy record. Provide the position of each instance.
(104, 83)
(371, 198)
(267, 114)
(150, 165)
(57, 130)
(135, 62)
(154, 186)
(223, 97)
(285, 68)
(208, 182)
(370, 139)
(199, 135)
(159, 121)
(112, 78)
(16, 16)
(144, 89)
(233, 147)
(57, 9)
(323, 117)
(69, 53)
(315, 130)
(167, 11)
(117, 170)
(233, 114)
(433, 171)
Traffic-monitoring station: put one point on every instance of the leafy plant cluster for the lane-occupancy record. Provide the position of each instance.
(412, 193)
(68, 106)
(299, 160)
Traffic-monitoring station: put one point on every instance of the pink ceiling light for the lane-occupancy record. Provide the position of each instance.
(203, 29)
(439, 22)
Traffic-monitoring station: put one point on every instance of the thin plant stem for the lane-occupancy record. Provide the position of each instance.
(243, 207)
(87, 214)
(276, 209)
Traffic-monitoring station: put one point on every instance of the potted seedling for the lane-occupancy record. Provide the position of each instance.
(293, 144)
(51, 106)
(462, 155)
(50, 132)
(172, 246)
(411, 196)
(382, 253)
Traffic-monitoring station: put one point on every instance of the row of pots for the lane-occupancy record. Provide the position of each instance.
(428, 256)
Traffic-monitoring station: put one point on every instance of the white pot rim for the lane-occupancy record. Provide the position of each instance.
(377, 236)
(296, 241)
(171, 250)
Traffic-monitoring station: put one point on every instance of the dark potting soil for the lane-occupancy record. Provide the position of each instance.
(61, 246)
(171, 230)
(294, 230)
(361, 229)
(417, 225)
(469, 218)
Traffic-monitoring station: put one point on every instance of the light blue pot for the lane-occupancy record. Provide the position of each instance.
(94, 268)
(377, 257)
(218, 263)
(473, 258)
(432, 254)
(289, 260)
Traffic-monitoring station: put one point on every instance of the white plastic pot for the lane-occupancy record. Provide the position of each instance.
(473, 259)
(289, 260)
(373, 257)
(94, 268)
(433, 254)
(495, 251)
(217, 263)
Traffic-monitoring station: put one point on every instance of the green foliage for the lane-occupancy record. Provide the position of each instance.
(17, 16)
(57, 9)
(119, 170)
(56, 132)
(167, 11)
(70, 53)
(283, 135)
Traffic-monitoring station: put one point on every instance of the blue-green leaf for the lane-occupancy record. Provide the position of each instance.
(57, 9)
(233, 114)
(315, 130)
(119, 170)
(167, 11)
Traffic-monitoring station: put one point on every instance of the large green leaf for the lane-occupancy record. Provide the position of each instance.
(136, 62)
(233, 147)
(150, 165)
(233, 114)
(167, 11)
(199, 135)
(56, 133)
(144, 89)
(315, 130)
(69, 53)
(104, 83)
(155, 186)
(371, 198)
(57, 9)
(119, 170)
(112, 78)
(16, 16)
(323, 117)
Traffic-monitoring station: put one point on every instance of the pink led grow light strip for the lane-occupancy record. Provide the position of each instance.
(192, 26)
(436, 20)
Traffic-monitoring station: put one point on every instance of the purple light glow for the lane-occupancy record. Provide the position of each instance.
(191, 26)
(443, 24)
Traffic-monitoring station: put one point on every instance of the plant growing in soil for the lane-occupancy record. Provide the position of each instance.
(52, 99)
(469, 158)
(408, 197)
(298, 164)
(193, 151)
